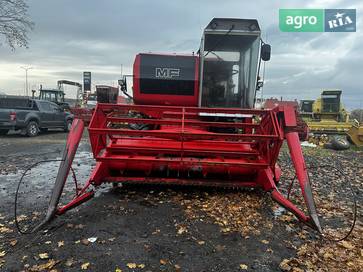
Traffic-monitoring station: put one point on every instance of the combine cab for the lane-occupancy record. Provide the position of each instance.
(193, 122)
(326, 115)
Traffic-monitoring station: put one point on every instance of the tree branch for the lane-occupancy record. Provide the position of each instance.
(15, 23)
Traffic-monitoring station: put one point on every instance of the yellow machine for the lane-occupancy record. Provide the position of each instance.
(356, 134)
(326, 115)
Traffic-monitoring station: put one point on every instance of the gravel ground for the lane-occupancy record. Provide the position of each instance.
(158, 228)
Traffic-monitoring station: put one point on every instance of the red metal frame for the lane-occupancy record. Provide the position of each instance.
(82, 113)
(179, 147)
(301, 127)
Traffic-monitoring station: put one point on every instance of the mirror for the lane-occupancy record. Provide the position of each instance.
(122, 83)
(266, 52)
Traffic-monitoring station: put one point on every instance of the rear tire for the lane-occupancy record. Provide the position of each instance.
(32, 129)
(4, 131)
(68, 125)
(340, 144)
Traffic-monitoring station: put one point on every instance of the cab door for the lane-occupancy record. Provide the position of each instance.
(46, 120)
(58, 115)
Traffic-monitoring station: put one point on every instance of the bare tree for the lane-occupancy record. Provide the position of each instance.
(15, 23)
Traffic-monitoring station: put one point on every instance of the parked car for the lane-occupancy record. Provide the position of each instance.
(32, 116)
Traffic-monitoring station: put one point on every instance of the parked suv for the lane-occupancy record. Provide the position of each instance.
(32, 116)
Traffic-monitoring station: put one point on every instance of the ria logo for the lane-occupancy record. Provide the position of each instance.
(340, 20)
(317, 20)
(167, 72)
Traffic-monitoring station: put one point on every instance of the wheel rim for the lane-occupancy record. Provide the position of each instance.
(33, 129)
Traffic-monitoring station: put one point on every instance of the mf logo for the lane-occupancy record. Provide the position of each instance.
(340, 20)
(167, 72)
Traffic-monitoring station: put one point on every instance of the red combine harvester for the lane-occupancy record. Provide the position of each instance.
(193, 123)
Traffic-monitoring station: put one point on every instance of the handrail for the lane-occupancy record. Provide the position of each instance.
(177, 135)
(179, 121)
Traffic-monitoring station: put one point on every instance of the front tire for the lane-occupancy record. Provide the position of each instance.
(32, 129)
(68, 125)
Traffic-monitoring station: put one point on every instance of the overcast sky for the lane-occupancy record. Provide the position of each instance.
(70, 37)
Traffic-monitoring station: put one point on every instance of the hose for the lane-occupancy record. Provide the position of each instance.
(354, 208)
(18, 187)
(347, 182)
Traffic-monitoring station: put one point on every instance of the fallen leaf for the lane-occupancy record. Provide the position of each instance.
(131, 265)
(201, 242)
(181, 230)
(85, 266)
(328, 255)
(225, 230)
(2, 253)
(156, 232)
(118, 270)
(47, 242)
(21, 217)
(284, 265)
(141, 266)
(44, 267)
(177, 268)
(302, 250)
(69, 262)
(5, 229)
(60, 243)
(297, 269)
(163, 262)
(43, 256)
(243, 266)
(13, 242)
(265, 242)
(350, 264)
(92, 239)
(346, 244)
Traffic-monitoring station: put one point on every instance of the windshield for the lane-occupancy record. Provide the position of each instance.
(230, 71)
(92, 98)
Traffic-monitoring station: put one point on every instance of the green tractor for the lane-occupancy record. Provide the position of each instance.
(57, 95)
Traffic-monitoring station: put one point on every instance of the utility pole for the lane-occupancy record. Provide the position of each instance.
(26, 68)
